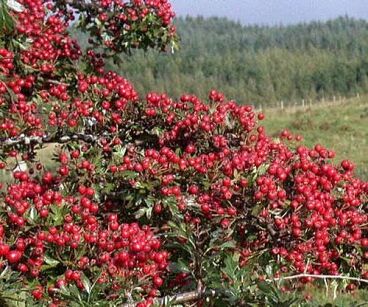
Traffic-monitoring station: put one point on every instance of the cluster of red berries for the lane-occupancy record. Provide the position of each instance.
(213, 161)
(48, 41)
(110, 92)
(315, 208)
(117, 22)
(112, 250)
(46, 48)
(139, 9)
(6, 64)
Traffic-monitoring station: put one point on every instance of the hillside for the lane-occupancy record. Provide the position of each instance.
(258, 64)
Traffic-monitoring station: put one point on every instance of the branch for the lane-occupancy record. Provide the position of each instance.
(81, 6)
(199, 294)
(61, 139)
(319, 277)
(181, 298)
(23, 139)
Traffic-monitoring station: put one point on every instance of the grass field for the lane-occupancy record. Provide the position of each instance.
(340, 127)
(44, 155)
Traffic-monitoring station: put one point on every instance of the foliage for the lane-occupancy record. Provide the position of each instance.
(154, 199)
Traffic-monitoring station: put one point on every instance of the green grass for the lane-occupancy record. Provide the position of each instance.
(44, 155)
(340, 127)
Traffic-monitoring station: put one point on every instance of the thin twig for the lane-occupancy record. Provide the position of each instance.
(319, 277)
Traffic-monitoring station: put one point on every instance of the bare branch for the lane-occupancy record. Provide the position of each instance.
(23, 139)
(319, 277)
(199, 294)
(181, 298)
(77, 4)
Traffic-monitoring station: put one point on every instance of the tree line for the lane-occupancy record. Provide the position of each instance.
(257, 64)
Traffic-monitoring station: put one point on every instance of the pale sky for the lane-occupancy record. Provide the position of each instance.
(272, 11)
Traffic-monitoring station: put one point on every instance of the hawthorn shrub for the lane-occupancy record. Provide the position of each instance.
(153, 200)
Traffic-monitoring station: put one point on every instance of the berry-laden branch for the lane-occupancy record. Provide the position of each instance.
(188, 176)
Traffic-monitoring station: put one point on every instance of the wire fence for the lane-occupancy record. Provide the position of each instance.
(304, 104)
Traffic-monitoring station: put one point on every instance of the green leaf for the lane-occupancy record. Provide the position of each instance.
(50, 261)
(129, 174)
(179, 266)
(231, 265)
(120, 151)
(141, 212)
(6, 21)
(57, 215)
(149, 212)
(86, 283)
(265, 287)
(256, 210)
(32, 214)
(228, 244)
(270, 291)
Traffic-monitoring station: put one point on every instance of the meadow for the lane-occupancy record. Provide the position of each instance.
(342, 127)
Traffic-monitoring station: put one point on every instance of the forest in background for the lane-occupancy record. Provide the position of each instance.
(257, 64)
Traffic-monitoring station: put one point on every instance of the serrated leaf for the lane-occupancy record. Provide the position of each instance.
(57, 216)
(120, 151)
(230, 266)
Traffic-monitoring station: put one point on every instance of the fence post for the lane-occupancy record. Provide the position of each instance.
(282, 104)
(303, 103)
